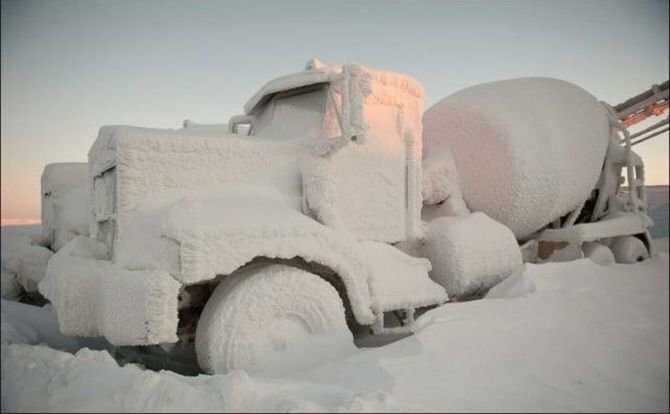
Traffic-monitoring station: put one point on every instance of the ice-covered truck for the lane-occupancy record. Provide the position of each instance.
(253, 244)
(317, 210)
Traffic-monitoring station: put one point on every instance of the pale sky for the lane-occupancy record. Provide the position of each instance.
(69, 67)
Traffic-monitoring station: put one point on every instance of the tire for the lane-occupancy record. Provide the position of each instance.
(271, 320)
(629, 249)
(599, 253)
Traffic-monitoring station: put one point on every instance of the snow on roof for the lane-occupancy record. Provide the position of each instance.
(321, 74)
(293, 81)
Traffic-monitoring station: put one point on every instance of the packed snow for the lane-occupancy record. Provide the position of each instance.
(573, 336)
(539, 142)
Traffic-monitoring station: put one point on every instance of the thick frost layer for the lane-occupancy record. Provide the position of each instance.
(149, 162)
(271, 320)
(470, 253)
(65, 201)
(184, 235)
(373, 188)
(441, 187)
(23, 262)
(243, 224)
(93, 298)
(528, 150)
(614, 224)
(400, 281)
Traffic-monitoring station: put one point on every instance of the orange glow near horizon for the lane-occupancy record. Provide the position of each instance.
(18, 221)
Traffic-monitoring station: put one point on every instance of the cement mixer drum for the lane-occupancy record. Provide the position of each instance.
(528, 150)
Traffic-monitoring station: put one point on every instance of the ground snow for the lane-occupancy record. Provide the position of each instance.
(43, 379)
(589, 338)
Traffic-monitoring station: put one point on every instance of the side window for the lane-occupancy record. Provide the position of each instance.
(293, 114)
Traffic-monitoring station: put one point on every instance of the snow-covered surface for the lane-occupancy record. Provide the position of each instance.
(244, 224)
(616, 223)
(599, 253)
(20, 267)
(215, 130)
(441, 189)
(93, 298)
(572, 336)
(13, 239)
(152, 161)
(272, 320)
(470, 253)
(400, 281)
(30, 266)
(371, 189)
(65, 202)
(528, 150)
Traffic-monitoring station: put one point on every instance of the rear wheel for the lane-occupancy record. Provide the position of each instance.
(629, 249)
(271, 320)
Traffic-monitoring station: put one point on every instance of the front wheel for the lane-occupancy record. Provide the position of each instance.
(271, 320)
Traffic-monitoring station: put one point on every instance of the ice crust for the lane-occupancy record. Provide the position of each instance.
(373, 187)
(398, 280)
(528, 150)
(251, 319)
(93, 298)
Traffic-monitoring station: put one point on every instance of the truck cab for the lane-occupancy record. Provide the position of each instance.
(324, 180)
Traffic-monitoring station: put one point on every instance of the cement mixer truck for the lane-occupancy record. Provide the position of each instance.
(330, 207)
(543, 157)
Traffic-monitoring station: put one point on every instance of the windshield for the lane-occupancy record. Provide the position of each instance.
(293, 114)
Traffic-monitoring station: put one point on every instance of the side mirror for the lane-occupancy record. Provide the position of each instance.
(238, 120)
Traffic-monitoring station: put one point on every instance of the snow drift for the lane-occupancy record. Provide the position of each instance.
(528, 150)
